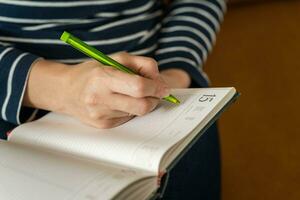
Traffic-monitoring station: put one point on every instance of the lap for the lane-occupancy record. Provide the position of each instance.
(197, 174)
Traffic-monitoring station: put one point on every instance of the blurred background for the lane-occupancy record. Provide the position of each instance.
(258, 52)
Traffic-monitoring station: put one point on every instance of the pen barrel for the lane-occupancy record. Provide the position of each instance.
(95, 53)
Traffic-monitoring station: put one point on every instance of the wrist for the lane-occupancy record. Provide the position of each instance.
(47, 85)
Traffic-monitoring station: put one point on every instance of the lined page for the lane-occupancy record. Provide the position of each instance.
(139, 143)
(31, 174)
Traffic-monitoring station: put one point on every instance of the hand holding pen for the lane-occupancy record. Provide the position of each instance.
(98, 95)
(104, 59)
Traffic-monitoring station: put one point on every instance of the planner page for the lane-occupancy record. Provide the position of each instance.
(139, 143)
(32, 174)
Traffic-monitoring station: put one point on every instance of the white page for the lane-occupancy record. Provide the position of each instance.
(139, 143)
(31, 174)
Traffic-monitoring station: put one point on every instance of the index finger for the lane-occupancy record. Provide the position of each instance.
(145, 66)
(134, 85)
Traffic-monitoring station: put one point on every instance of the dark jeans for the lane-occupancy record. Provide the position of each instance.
(196, 175)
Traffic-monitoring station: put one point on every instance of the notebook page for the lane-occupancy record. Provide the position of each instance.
(139, 143)
(31, 174)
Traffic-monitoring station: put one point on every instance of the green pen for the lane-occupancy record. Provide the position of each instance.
(101, 57)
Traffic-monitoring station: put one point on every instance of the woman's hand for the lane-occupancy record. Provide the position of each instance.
(97, 95)
(176, 78)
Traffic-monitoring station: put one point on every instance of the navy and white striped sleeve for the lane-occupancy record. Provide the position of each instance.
(188, 34)
(14, 70)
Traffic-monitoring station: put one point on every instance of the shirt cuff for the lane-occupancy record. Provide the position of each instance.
(16, 67)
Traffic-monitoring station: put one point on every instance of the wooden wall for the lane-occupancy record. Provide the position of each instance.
(258, 52)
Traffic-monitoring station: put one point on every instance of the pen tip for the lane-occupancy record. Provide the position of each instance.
(177, 101)
(174, 100)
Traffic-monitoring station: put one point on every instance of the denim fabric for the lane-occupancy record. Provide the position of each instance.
(197, 174)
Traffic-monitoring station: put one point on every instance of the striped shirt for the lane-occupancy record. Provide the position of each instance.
(179, 35)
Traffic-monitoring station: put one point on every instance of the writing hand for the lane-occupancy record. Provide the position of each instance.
(98, 95)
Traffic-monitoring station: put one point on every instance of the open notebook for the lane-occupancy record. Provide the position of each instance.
(58, 157)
